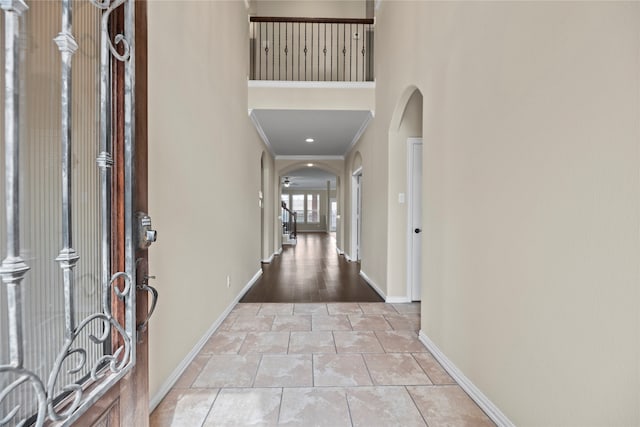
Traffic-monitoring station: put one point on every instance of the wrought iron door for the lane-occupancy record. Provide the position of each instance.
(68, 300)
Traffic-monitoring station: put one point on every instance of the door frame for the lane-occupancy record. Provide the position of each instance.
(117, 393)
(127, 402)
(263, 226)
(411, 143)
(356, 213)
(331, 201)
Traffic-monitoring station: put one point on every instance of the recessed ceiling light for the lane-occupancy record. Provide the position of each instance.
(310, 164)
(309, 140)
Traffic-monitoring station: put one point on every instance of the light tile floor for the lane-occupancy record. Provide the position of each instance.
(337, 364)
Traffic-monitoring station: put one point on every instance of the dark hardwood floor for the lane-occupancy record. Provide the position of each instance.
(311, 271)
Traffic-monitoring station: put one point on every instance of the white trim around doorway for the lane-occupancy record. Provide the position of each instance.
(355, 207)
(409, 274)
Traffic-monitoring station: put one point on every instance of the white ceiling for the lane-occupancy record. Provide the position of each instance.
(334, 131)
(310, 178)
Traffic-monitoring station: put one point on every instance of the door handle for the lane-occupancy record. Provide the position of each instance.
(418, 230)
(154, 293)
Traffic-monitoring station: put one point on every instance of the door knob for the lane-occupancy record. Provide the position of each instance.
(418, 230)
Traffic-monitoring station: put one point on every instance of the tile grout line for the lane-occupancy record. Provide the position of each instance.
(242, 343)
(346, 396)
(366, 365)
(420, 366)
(313, 371)
(280, 406)
(204, 420)
(381, 345)
(255, 375)
(416, 406)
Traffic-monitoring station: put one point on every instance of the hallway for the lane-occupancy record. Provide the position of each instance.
(311, 271)
(335, 364)
(278, 359)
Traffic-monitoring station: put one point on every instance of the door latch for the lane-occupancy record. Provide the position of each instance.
(146, 234)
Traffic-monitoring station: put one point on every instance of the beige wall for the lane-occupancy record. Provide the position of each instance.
(531, 197)
(310, 8)
(204, 172)
(324, 97)
(373, 246)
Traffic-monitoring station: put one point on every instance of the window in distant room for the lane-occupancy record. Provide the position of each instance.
(297, 205)
(313, 208)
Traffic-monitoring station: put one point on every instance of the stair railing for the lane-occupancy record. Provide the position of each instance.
(311, 49)
(289, 222)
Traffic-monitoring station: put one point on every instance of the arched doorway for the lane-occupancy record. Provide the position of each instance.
(405, 198)
(308, 191)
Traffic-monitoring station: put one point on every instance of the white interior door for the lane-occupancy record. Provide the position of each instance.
(333, 214)
(415, 217)
(356, 224)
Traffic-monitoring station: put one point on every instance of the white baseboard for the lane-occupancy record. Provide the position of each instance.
(175, 375)
(373, 285)
(397, 300)
(474, 392)
(275, 254)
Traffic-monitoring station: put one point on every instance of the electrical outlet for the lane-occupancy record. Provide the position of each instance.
(228, 281)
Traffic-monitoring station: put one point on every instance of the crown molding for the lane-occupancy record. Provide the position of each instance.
(280, 157)
(359, 133)
(261, 132)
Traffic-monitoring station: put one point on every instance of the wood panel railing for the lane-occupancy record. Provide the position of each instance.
(311, 49)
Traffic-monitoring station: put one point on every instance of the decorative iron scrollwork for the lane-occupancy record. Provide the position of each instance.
(114, 363)
(108, 6)
(23, 377)
(73, 365)
(109, 363)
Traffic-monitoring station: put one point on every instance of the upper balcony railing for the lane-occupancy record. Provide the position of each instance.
(311, 49)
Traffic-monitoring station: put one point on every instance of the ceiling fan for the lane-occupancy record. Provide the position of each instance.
(287, 182)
